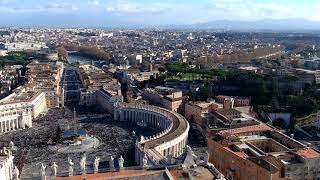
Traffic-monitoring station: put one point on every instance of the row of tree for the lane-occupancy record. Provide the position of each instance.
(264, 90)
(88, 51)
(14, 58)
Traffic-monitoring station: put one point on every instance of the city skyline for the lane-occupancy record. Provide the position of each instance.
(132, 13)
(163, 90)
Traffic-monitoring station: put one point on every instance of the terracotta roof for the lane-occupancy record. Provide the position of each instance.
(123, 174)
(228, 111)
(240, 154)
(203, 104)
(256, 128)
(308, 153)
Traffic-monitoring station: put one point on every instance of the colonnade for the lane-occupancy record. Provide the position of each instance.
(148, 118)
(172, 140)
(10, 124)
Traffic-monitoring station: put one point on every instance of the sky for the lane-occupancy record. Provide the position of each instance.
(149, 12)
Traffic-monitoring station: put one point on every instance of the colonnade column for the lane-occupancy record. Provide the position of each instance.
(17, 123)
(151, 119)
(5, 126)
(13, 124)
(135, 114)
(161, 122)
(121, 116)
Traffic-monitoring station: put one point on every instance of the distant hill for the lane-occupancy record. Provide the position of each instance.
(283, 24)
(96, 22)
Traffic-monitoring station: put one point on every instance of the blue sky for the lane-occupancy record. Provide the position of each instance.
(124, 12)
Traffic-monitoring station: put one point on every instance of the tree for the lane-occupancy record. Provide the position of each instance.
(275, 103)
(161, 69)
(62, 53)
(279, 123)
(58, 135)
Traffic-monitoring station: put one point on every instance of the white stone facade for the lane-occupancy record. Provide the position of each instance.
(19, 115)
(100, 97)
(160, 147)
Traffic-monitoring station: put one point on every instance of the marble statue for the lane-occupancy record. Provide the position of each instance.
(16, 173)
(190, 152)
(120, 162)
(111, 162)
(43, 171)
(11, 145)
(70, 166)
(145, 160)
(96, 164)
(83, 163)
(54, 169)
(190, 159)
(206, 158)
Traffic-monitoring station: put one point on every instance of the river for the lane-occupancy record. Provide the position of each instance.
(79, 59)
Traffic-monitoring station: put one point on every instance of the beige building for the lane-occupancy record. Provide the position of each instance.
(198, 112)
(46, 77)
(137, 75)
(231, 102)
(229, 119)
(168, 98)
(261, 152)
(99, 88)
(27, 102)
(18, 110)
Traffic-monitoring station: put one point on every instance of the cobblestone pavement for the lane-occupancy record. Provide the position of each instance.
(33, 149)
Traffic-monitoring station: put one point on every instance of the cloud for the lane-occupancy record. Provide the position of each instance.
(125, 6)
(255, 9)
(60, 6)
(94, 2)
(12, 6)
(166, 11)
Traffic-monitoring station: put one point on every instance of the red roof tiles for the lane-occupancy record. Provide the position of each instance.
(308, 153)
(240, 154)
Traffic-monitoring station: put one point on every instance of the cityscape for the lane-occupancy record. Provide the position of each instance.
(156, 91)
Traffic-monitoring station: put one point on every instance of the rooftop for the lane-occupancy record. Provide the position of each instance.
(257, 128)
(308, 153)
(123, 174)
